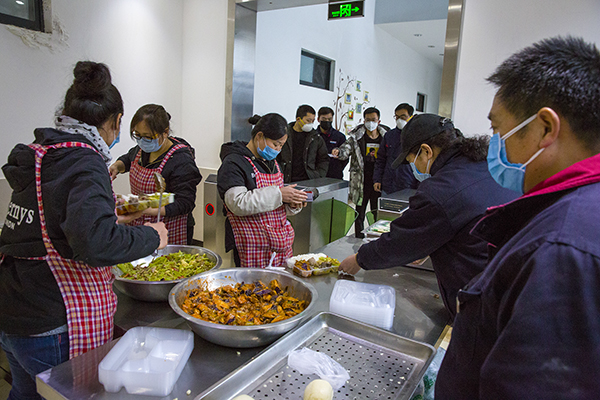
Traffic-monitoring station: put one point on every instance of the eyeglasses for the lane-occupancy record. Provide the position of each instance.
(137, 136)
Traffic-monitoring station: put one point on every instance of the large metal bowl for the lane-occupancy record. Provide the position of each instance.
(243, 336)
(158, 290)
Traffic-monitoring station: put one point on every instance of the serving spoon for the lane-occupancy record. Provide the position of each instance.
(161, 185)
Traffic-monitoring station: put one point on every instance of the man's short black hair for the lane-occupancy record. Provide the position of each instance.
(325, 110)
(560, 73)
(303, 110)
(405, 106)
(372, 110)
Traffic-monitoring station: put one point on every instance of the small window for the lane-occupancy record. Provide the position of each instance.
(316, 71)
(23, 13)
(421, 102)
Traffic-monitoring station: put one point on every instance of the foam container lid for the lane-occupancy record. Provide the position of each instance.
(146, 361)
(366, 302)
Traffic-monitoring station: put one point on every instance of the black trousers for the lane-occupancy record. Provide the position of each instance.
(369, 196)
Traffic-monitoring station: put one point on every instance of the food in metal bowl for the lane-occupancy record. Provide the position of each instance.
(242, 336)
(243, 304)
(168, 267)
(158, 290)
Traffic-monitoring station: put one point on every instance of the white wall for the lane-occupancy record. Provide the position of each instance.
(170, 52)
(391, 72)
(493, 30)
(140, 40)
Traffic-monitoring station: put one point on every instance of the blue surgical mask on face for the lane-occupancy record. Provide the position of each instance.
(267, 153)
(117, 140)
(148, 145)
(508, 175)
(420, 176)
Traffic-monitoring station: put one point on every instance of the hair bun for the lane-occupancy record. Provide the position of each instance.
(91, 79)
(254, 119)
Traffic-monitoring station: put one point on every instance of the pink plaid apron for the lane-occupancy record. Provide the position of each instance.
(258, 236)
(141, 181)
(86, 291)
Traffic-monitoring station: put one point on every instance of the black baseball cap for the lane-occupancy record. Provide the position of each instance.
(419, 129)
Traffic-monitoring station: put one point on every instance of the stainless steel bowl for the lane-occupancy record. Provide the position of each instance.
(158, 290)
(243, 336)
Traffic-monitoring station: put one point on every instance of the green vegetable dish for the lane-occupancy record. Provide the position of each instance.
(167, 268)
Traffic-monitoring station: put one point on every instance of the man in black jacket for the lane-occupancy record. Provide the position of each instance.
(304, 155)
(333, 139)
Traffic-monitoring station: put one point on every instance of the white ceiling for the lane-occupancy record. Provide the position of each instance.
(433, 33)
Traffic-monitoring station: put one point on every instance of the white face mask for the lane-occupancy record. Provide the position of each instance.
(307, 127)
(400, 123)
(371, 125)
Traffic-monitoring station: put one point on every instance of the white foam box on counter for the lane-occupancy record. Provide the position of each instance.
(146, 361)
(366, 302)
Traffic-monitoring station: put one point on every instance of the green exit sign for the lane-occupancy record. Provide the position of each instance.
(346, 9)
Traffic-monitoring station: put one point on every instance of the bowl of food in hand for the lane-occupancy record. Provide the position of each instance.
(151, 278)
(243, 307)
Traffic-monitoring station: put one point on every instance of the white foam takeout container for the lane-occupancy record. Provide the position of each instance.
(366, 302)
(146, 361)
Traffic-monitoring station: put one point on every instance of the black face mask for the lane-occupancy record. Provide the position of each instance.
(325, 125)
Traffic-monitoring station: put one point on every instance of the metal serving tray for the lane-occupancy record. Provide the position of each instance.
(381, 365)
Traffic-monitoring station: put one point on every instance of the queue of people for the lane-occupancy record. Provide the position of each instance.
(508, 221)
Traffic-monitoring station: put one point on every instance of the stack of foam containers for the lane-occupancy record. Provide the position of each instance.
(146, 361)
(366, 302)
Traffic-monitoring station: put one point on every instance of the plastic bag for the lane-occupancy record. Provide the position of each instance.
(307, 361)
(426, 388)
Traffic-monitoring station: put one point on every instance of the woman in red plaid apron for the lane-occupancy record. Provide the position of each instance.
(257, 202)
(61, 235)
(173, 158)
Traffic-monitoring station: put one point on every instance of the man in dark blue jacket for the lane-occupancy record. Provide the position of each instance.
(333, 139)
(387, 179)
(529, 326)
(455, 191)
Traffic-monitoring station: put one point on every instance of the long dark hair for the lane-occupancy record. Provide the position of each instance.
(474, 148)
(272, 125)
(92, 98)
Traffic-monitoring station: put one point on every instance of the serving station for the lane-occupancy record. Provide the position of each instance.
(419, 315)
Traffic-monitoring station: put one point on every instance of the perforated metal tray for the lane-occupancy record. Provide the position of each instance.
(381, 365)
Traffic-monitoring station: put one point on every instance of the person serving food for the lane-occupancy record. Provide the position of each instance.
(61, 235)
(250, 182)
(173, 158)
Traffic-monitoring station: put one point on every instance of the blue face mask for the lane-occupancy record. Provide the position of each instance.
(148, 145)
(117, 140)
(508, 175)
(420, 176)
(267, 153)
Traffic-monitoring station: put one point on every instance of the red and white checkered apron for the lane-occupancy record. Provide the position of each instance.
(258, 236)
(141, 181)
(86, 291)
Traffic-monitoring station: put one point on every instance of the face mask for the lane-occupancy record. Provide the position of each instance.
(267, 153)
(371, 125)
(117, 140)
(325, 125)
(420, 176)
(307, 127)
(400, 123)
(508, 175)
(148, 146)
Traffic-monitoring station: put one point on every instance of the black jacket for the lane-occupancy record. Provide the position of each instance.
(438, 223)
(528, 325)
(334, 139)
(316, 160)
(392, 179)
(181, 176)
(81, 221)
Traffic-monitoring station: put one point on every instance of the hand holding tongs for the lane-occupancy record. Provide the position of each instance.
(159, 181)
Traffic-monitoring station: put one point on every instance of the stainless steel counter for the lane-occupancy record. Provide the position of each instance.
(420, 315)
